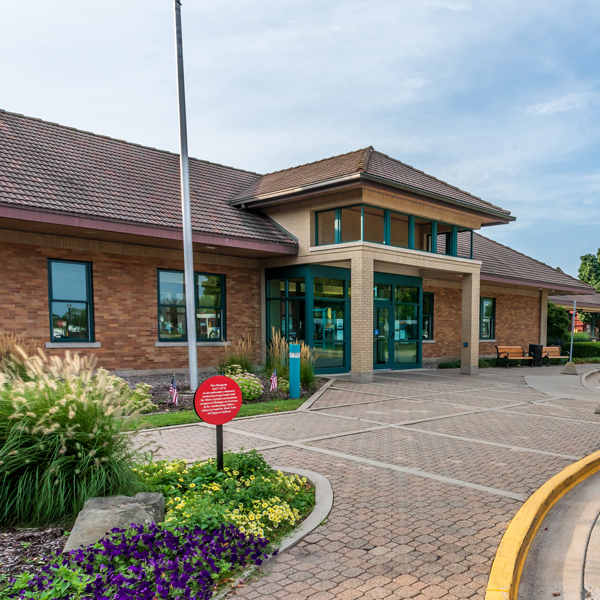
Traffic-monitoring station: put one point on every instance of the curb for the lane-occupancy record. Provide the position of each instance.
(306, 405)
(503, 583)
(323, 506)
(584, 378)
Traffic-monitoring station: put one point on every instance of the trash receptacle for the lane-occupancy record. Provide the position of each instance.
(536, 351)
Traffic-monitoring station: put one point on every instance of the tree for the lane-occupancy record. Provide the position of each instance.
(589, 270)
(558, 322)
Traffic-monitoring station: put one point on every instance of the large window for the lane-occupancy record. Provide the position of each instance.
(70, 295)
(428, 315)
(383, 226)
(487, 318)
(210, 306)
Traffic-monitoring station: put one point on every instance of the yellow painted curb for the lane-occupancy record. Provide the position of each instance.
(503, 583)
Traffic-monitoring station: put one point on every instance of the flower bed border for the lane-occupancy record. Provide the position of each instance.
(323, 506)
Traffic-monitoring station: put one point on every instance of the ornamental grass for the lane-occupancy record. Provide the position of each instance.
(278, 358)
(238, 352)
(60, 441)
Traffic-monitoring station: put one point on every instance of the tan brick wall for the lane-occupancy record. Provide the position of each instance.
(517, 320)
(125, 304)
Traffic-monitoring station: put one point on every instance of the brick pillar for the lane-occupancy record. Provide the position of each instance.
(544, 317)
(361, 338)
(469, 355)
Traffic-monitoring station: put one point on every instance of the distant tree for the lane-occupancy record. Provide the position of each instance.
(558, 322)
(589, 270)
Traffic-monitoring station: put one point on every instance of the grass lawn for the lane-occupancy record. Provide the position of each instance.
(183, 417)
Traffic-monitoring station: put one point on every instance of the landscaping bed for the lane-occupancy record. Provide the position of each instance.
(61, 443)
(217, 523)
(159, 392)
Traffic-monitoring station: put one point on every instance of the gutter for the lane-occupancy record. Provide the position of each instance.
(535, 284)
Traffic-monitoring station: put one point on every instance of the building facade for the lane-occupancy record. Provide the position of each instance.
(374, 264)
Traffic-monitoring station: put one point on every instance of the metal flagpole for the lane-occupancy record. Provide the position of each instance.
(188, 252)
(572, 330)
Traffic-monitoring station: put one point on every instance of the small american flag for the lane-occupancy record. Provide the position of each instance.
(173, 391)
(274, 380)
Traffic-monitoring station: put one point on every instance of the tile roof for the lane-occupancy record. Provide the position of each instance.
(584, 301)
(51, 167)
(368, 162)
(502, 262)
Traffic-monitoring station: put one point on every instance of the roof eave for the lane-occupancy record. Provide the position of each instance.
(144, 230)
(542, 285)
(261, 200)
(282, 196)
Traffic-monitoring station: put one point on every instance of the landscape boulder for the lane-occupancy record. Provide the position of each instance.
(100, 515)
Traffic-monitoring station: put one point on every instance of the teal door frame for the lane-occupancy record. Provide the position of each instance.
(399, 281)
(309, 272)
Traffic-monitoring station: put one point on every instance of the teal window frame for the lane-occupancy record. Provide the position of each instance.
(492, 335)
(430, 328)
(89, 302)
(387, 229)
(222, 307)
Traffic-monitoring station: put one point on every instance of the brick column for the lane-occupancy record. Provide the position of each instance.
(544, 317)
(469, 355)
(361, 337)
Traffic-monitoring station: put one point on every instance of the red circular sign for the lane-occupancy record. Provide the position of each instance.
(218, 400)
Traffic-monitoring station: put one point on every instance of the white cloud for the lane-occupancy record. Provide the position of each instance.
(569, 102)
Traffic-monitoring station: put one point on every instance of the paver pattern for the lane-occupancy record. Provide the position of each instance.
(427, 467)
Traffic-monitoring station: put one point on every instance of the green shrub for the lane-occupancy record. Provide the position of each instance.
(283, 385)
(249, 384)
(582, 349)
(580, 336)
(60, 441)
(558, 322)
(483, 363)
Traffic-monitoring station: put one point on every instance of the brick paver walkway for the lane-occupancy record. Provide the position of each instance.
(427, 467)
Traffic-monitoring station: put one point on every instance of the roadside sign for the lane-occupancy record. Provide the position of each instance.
(217, 401)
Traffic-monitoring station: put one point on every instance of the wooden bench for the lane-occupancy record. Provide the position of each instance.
(509, 353)
(552, 352)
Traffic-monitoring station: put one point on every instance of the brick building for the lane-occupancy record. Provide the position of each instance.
(373, 263)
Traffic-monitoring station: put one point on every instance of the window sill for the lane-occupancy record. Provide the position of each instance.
(428, 341)
(184, 344)
(486, 341)
(73, 345)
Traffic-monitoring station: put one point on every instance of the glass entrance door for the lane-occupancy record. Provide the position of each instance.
(381, 335)
(328, 333)
(396, 329)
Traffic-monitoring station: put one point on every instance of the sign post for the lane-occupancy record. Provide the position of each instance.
(217, 401)
(294, 371)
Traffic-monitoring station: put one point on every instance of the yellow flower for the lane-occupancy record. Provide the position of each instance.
(192, 485)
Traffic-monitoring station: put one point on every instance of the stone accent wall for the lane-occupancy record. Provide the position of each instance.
(517, 320)
(125, 304)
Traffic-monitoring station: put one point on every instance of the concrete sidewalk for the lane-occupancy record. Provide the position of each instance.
(427, 468)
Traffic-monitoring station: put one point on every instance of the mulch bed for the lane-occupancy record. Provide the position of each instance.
(22, 549)
(159, 394)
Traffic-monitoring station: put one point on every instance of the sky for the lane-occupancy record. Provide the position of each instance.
(500, 98)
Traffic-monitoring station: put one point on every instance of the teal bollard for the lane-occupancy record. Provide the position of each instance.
(294, 371)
